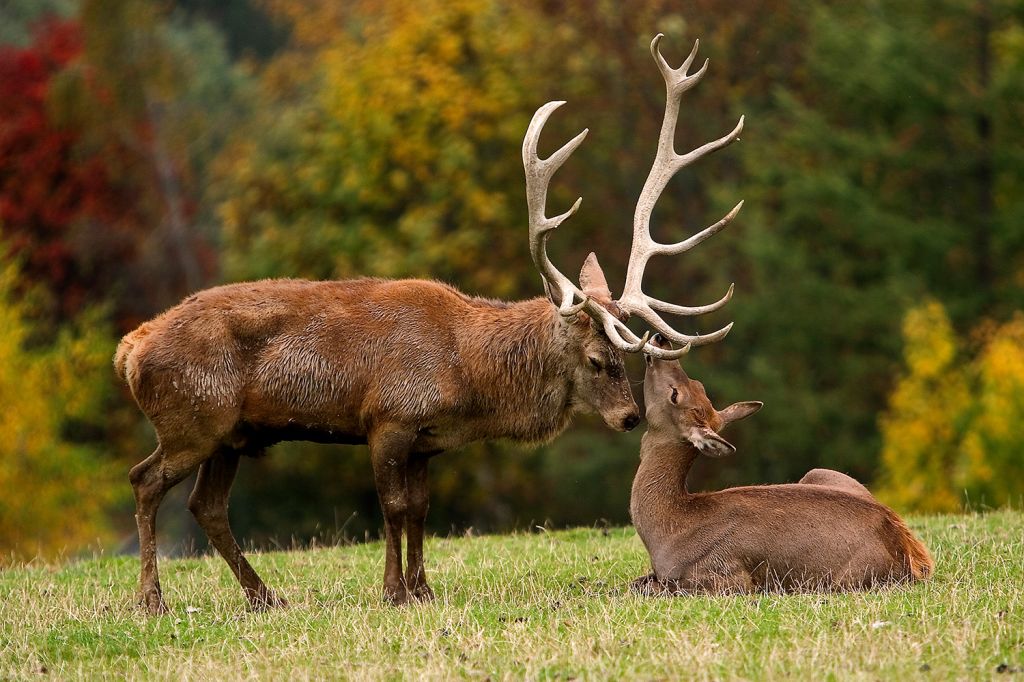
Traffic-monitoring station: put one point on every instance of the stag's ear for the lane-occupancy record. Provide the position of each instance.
(738, 411)
(592, 279)
(709, 443)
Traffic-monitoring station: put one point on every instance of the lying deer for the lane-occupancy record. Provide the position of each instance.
(825, 532)
(410, 367)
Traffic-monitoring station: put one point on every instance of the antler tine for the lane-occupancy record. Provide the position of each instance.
(538, 177)
(667, 163)
(687, 244)
(623, 338)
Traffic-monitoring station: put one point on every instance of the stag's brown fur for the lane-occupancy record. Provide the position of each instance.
(410, 367)
(826, 532)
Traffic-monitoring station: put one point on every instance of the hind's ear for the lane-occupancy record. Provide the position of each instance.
(592, 279)
(709, 443)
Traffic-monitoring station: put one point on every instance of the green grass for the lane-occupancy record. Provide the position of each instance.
(546, 605)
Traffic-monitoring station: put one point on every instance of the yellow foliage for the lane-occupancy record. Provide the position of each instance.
(920, 442)
(993, 470)
(55, 491)
(951, 432)
(397, 161)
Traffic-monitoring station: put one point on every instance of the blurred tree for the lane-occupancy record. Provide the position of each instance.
(991, 470)
(165, 92)
(111, 123)
(48, 185)
(19, 18)
(58, 485)
(927, 414)
(400, 162)
(878, 164)
(951, 431)
(248, 29)
(868, 182)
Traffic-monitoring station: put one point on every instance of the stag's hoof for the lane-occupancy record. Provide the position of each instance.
(266, 600)
(397, 596)
(153, 602)
(422, 593)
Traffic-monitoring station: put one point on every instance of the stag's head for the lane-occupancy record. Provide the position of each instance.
(599, 382)
(596, 319)
(678, 408)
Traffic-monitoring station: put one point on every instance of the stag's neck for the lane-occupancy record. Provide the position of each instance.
(521, 363)
(659, 493)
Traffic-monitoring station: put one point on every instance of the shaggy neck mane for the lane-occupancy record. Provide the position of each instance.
(515, 357)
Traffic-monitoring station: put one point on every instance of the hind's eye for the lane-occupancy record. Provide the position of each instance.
(596, 364)
(675, 395)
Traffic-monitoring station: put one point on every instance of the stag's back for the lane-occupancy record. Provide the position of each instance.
(329, 357)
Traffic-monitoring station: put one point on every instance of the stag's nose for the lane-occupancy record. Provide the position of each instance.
(630, 422)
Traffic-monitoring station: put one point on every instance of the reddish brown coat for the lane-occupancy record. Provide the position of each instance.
(411, 367)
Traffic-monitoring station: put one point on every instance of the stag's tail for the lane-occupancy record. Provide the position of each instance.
(123, 355)
(918, 560)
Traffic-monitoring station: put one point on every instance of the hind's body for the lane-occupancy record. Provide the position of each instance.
(826, 532)
(788, 537)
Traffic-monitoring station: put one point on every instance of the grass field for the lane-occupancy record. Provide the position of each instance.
(544, 605)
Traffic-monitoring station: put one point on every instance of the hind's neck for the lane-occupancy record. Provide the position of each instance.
(659, 488)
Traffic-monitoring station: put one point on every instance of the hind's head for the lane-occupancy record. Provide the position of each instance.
(678, 407)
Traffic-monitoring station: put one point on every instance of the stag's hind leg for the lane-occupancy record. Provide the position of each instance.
(151, 479)
(209, 505)
(389, 454)
(419, 500)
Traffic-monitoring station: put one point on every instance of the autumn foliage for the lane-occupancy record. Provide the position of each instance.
(50, 187)
(951, 432)
(57, 480)
(149, 149)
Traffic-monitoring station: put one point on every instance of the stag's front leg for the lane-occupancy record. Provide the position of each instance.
(389, 453)
(419, 501)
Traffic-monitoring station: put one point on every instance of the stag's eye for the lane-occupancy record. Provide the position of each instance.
(595, 363)
(675, 395)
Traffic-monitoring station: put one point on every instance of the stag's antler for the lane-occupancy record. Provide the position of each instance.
(667, 163)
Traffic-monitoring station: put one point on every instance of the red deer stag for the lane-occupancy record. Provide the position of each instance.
(825, 532)
(409, 367)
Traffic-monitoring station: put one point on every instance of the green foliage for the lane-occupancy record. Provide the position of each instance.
(18, 17)
(536, 606)
(57, 480)
(952, 428)
(875, 175)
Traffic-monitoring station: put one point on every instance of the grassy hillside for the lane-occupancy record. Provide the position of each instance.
(545, 605)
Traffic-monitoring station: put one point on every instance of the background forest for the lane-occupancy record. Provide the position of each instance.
(149, 149)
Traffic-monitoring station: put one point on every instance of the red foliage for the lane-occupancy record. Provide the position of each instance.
(48, 184)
